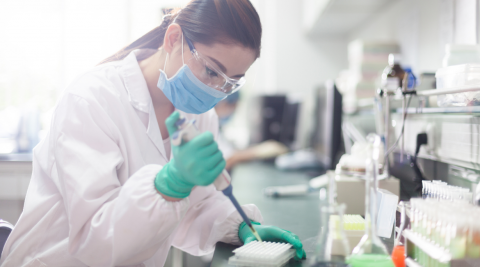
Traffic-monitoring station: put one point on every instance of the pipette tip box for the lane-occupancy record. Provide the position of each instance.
(262, 254)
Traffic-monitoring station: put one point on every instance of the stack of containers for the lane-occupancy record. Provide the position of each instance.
(461, 69)
(367, 59)
(451, 226)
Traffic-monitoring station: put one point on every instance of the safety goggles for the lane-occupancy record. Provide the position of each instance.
(210, 75)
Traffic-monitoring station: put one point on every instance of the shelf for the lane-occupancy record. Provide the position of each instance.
(470, 109)
(338, 17)
(411, 263)
(434, 251)
(452, 90)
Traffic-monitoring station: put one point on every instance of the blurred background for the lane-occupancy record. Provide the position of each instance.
(46, 44)
(314, 52)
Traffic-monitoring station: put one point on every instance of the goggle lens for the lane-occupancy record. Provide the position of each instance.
(212, 77)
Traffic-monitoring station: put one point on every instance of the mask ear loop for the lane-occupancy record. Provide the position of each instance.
(165, 65)
(166, 59)
(183, 60)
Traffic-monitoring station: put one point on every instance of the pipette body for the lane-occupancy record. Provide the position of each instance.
(186, 132)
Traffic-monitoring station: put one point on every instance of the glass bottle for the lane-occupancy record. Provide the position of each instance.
(371, 251)
(332, 245)
(393, 74)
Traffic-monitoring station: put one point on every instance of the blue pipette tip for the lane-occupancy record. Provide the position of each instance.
(229, 193)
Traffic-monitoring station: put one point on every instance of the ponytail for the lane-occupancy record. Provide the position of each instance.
(151, 40)
(205, 22)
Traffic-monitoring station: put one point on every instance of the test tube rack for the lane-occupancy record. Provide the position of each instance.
(433, 251)
(267, 254)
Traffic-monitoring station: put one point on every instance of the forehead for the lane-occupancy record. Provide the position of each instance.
(236, 58)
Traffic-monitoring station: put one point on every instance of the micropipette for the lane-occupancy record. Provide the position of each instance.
(186, 132)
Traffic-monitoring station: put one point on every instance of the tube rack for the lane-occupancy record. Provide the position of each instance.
(262, 254)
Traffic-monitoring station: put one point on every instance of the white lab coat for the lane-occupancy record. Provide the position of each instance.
(92, 200)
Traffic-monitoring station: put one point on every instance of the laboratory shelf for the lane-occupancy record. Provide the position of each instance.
(469, 109)
(432, 250)
(411, 263)
(451, 90)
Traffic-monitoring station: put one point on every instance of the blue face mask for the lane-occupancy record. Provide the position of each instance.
(186, 92)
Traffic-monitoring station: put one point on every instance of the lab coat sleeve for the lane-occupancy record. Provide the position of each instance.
(211, 217)
(110, 224)
(210, 220)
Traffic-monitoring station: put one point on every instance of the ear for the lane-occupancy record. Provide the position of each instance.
(173, 35)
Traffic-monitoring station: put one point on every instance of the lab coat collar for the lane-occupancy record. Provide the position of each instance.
(135, 83)
(140, 99)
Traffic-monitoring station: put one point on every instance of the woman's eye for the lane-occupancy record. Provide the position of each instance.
(210, 72)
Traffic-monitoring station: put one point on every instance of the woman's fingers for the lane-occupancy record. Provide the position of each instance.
(170, 122)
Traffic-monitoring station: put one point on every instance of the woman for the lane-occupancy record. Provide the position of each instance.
(108, 189)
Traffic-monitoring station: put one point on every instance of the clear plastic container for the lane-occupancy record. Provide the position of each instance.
(332, 245)
(459, 76)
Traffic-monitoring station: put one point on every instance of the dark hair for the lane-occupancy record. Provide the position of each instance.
(206, 22)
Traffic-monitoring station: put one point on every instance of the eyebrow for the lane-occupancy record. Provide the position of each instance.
(222, 68)
(220, 65)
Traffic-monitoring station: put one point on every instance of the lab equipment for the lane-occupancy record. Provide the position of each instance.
(351, 191)
(273, 117)
(393, 79)
(268, 254)
(398, 253)
(354, 163)
(387, 206)
(354, 226)
(443, 230)
(371, 251)
(186, 91)
(298, 160)
(332, 245)
(327, 128)
(441, 190)
(298, 190)
(411, 79)
(459, 76)
(186, 132)
(353, 222)
(393, 74)
(272, 233)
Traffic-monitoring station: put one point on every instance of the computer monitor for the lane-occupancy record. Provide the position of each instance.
(327, 131)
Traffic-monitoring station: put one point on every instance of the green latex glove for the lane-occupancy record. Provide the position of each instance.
(274, 234)
(197, 162)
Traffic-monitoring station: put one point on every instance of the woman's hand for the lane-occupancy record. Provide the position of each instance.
(274, 234)
(197, 162)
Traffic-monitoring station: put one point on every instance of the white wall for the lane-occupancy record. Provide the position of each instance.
(291, 62)
(415, 25)
(422, 28)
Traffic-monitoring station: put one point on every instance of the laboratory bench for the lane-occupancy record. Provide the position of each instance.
(300, 215)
